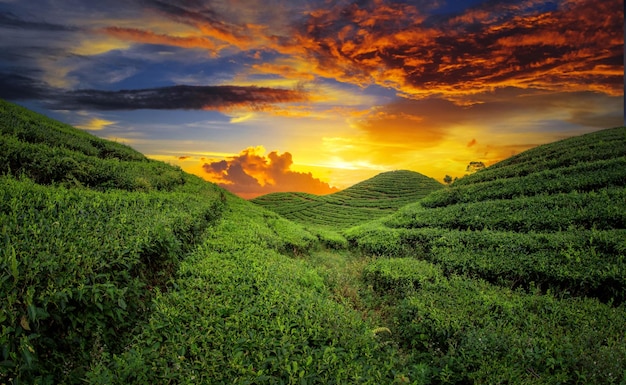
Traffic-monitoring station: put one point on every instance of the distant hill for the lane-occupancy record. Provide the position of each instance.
(367, 200)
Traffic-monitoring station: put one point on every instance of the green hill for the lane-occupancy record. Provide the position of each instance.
(116, 269)
(367, 200)
(536, 239)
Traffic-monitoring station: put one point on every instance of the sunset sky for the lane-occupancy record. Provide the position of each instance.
(316, 95)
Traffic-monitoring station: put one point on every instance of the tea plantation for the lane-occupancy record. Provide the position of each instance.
(116, 269)
(365, 201)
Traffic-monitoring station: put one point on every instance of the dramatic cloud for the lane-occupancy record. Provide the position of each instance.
(18, 87)
(251, 174)
(10, 20)
(344, 84)
(576, 46)
(180, 97)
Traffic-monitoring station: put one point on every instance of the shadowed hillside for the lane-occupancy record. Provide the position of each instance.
(367, 200)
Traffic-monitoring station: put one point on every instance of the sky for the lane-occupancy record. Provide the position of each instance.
(317, 95)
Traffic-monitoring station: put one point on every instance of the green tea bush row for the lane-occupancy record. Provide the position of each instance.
(50, 152)
(600, 145)
(368, 200)
(294, 238)
(576, 263)
(57, 165)
(30, 127)
(287, 203)
(400, 276)
(78, 268)
(329, 238)
(373, 238)
(477, 333)
(582, 263)
(472, 332)
(583, 177)
(604, 209)
(240, 313)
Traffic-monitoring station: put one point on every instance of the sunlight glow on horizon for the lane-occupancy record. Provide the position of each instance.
(316, 95)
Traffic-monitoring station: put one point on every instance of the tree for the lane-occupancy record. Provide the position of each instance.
(472, 167)
(447, 179)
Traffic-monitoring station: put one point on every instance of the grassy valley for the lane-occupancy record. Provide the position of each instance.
(116, 269)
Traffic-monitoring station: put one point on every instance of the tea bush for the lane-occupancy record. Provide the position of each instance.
(239, 312)
(583, 177)
(29, 127)
(400, 276)
(602, 210)
(365, 201)
(474, 332)
(78, 268)
(589, 148)
(469, 331)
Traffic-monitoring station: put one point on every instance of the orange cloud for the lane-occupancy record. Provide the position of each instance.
(141, 36)
(577, 47)
(251, 174)
(431, 135)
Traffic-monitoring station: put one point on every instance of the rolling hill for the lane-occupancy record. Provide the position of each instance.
(367, 200)
(516, 259)
(117, 269)
(554, 216)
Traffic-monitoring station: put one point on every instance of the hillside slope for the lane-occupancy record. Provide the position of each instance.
(115, 269)
(522, 262)
(367, 200)
(553, 216)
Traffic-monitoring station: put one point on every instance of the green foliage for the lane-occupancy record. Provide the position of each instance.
(329, 238)
(589, 148)
(239, 312)
(375, 239)
(603, 210)
(49, 152)
(78, 268)
(62, 166)
(115, 269)
(400, 276)
(583, 177)
(29, 127)
(473, 332)
(365, 201)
